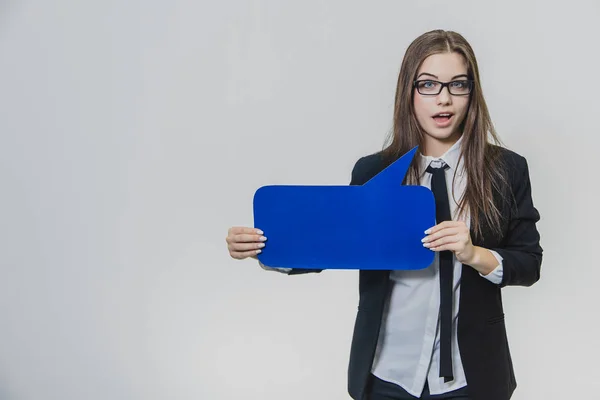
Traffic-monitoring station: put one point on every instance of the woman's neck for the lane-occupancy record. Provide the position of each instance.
(434, 147)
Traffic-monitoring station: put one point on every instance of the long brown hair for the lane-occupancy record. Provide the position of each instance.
(480, 157)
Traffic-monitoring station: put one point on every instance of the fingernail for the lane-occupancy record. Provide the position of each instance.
(260, 245)
(262, 238)
(258, 251)
(428, 231)
(424, 239)
(258, 231)
(426, 244)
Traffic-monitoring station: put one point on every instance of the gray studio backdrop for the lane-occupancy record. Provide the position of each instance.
(134, 133)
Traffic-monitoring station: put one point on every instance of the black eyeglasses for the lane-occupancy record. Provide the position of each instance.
(430, 87)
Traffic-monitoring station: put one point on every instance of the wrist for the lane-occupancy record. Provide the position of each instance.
(470, 258)
(475, 256)
(482, 260)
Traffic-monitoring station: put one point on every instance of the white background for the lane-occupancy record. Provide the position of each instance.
(134, 133)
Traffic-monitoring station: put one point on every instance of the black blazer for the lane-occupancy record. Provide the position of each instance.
(482, 334)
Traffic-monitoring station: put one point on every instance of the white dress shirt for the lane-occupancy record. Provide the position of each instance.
(408, 347)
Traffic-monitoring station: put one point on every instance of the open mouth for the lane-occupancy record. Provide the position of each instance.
(443, 119)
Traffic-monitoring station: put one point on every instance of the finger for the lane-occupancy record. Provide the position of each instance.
(442, 241)
(445, 247)
(442, 225)
(240, 255)
(238, 247)
(236, 230)
(455, 247)
(248, 238)
(441, 233)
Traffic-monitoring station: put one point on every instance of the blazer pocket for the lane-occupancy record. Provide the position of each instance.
(495, 320)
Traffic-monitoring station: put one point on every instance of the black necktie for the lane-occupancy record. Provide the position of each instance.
(442, 206)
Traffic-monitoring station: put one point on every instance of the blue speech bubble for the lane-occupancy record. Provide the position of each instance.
(375, 226)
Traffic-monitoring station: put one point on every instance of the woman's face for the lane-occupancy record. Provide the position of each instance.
(441, 130)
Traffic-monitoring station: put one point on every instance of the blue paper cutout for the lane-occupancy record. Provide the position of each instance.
(376, 226)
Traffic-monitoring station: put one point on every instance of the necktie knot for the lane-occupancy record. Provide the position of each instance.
(437, 167)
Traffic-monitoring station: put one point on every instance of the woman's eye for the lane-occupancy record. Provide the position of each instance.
(458, 84)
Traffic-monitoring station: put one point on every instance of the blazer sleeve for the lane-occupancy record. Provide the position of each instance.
(521, 250)
(357, 177)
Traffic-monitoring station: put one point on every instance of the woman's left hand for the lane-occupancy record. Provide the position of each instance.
(453, 236)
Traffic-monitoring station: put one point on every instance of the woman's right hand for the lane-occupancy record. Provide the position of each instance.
(244, 242)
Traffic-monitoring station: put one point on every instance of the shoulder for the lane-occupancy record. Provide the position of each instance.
(515, 165)
(515, 170)
(510, 158)
(367, 167)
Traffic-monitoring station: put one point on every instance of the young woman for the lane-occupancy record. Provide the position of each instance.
(439, 333)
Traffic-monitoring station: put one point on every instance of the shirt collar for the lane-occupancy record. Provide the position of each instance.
(451, 157)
